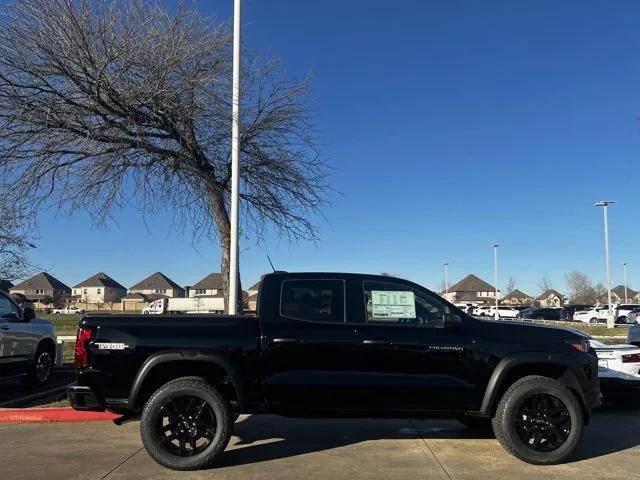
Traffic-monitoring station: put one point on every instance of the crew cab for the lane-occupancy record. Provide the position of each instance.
(335, 344)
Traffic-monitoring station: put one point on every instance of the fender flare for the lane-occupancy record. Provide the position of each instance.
(185, 355)
(568, 377)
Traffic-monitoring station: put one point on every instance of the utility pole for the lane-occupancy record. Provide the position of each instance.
(235, 160)
(495, 275)
(605, 207)
(626, 300)
(446, 280)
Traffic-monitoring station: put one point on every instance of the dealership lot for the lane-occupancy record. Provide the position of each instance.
(274, 447)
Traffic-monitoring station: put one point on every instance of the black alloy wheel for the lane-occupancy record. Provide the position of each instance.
(186, 426)
(44, 365)
(543, 422)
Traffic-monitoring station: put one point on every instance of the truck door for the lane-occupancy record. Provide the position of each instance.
(313, 357)
(417, 358)
(17, 343)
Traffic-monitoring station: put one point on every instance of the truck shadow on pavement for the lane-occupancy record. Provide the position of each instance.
(265, 437)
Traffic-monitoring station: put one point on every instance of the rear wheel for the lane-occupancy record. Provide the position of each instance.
(40, 372)
(593, 320)
(186, 424)
(622, 320)
(539, 420)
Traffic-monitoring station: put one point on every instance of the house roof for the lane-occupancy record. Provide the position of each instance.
(41, 281)
(548, 293)
(156, 281)
(619, 291)
(5, 285)
(516, 294)
(213, 281)
(255, 286)
(471, 283)
(100, 280)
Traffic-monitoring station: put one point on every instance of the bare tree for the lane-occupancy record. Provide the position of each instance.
(600, 293)
(15, 241)
(579, 287)
(109, 104)
(545, 284)
(511, 285)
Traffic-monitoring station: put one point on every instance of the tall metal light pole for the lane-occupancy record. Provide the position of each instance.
(605, 206)
(495, 275)
(626, 300)
(235, 156)
(446, 279)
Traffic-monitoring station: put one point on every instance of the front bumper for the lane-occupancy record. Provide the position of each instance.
(84, 398)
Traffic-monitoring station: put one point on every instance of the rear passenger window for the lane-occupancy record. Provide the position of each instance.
(393, 304)
(313, 300)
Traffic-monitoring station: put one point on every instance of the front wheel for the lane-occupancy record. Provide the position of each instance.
(40, 372)
(186, 424)
(539, 421)
(593, 320)
(622, 320)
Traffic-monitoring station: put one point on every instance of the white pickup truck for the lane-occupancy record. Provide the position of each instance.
(185, 305)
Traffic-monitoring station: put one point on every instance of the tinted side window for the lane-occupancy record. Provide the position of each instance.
(7, 309)
(313, 300)
(393, 304)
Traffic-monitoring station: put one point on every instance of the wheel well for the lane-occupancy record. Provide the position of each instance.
(167, 371)
(48, 344)
(550, 370)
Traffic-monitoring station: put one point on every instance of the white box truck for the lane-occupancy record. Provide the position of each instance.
(185, 305)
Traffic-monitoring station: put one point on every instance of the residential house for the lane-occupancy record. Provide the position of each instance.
(617, 295)
(471, 289)
(517, 298)
(98, 291)
(43, 290)
(210, 286)
(158, 284)
(5, 285)
(551, 298)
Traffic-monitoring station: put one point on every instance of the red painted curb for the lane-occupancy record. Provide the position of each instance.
(32, 415)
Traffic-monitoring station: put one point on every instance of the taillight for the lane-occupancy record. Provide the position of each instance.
(631, 358)
(84, 336)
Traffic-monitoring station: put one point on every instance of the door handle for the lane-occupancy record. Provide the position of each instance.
(285, 340)
(375, 342)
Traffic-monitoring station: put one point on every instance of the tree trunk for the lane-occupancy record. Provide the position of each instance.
(223, 224)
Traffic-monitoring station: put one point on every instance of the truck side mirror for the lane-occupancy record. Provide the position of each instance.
(28, 314)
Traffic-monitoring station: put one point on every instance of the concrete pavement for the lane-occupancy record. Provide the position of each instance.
(268, 447)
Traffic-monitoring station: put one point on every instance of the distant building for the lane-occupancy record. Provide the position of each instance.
(98, 290)
(43, 290)
(617, 294)
(5, 285)
(471, 289)
(210, 286)
(158, 284)
(551, 298)
(252, 296)
(517, 298)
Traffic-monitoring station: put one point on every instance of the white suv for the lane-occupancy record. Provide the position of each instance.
(503, 312)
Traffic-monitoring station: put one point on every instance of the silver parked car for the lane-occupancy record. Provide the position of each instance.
(27, 344)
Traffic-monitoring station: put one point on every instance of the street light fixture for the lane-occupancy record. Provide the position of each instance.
(235, 157)
(495, 275)
(605, 207)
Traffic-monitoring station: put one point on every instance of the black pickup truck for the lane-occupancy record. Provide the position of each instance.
(335, 344)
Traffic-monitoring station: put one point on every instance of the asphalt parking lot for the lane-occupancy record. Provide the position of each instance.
(269, 447)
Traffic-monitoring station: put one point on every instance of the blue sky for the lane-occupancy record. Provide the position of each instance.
(449, 125)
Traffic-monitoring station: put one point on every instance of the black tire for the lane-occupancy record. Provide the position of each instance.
(478, 424)
(40, 372)
(555, 443)
(621, 320)
(156, 435)
(593, 320)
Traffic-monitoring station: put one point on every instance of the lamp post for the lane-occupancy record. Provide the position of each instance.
(495, 275)
(446, 279)
(235, 154)
(605, 207)
(625, 282)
